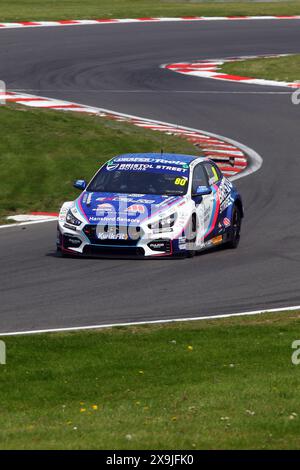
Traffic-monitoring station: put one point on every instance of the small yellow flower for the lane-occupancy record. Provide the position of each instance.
(141, 372)
(138, 403)
(82, 410)
(190, 348)
(174, 418)
(95, 407)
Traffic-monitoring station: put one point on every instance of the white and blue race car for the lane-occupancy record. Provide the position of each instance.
(151, 205)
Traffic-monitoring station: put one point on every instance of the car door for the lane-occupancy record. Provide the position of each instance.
(214, 177)
(204, 205)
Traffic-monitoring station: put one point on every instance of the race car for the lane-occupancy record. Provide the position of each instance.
(151, 205)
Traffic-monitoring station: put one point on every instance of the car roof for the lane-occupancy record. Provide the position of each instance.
(172, 157)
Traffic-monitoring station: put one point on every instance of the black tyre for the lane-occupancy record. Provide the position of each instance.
(236, 223)
(191, 235)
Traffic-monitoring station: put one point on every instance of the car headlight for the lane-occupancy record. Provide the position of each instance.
(164, 223)
(71, 219)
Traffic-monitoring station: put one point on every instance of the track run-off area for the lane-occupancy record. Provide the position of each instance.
(117, 67)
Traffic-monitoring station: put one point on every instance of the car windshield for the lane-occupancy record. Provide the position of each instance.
(112, 179)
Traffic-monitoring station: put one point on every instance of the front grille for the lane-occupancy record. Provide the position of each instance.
(114, 238)
(94, 250)
(129, 243)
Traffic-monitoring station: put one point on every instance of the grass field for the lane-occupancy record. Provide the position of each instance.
(279, 68)
(42, 152)
(13, 10)
(201, 385)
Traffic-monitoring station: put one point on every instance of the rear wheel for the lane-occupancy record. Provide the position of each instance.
(236, 223)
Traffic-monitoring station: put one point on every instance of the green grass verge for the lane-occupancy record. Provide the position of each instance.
(42, 152)
(278, 68)
(206, 385)
(18, 10)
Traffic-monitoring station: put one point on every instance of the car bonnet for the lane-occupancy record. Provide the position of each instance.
(116, 208)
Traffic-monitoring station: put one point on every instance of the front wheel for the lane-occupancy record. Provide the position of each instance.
(191, 236)
(236, 223)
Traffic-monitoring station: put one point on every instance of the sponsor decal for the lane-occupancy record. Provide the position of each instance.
(135, 201)
(226, 203)
(144, 201)
(104, 198)
(112, 166)
(217, 240)
(147, 164)
(134, 208)
(105, 207)
(226, 199)
(224, 189)
(171, 168)
(74, 241)
(226, 222)
(114, 220)
(181, 181)
(182, 243)
(70, 227)
(206, 215)
(112, 236)
(157, 245)
(135, 166)
(89, 199)
(162, 230)
(151, 160)
(99, 199)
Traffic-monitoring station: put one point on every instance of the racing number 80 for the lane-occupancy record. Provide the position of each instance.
(180, 181)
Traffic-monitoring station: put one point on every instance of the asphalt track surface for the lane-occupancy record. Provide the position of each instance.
(117, 67)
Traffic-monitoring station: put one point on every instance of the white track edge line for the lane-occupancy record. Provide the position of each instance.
(28, 223)
(150, 322)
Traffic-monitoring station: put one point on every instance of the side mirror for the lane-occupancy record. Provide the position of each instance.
(80, 184)
(202, 191)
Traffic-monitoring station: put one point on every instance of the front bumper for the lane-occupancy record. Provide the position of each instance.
(86, 243)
